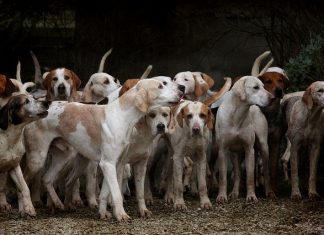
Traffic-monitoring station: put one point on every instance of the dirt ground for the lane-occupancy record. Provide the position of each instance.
(281, 216)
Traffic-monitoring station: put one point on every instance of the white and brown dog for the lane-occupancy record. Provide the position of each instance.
(15, 115)
(97, 132)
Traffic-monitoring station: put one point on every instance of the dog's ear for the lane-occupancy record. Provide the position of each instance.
(76, 79)
(87, 94)
(239, 89)
(307, 98)
(141, 124)
(286, 81)
(128, 84)
(201, 87)
(47, 79)
(208, 79)
(171, 123)
(8, 88)
(141, 100)
(4, 117)
(180, 117)
(210, 120)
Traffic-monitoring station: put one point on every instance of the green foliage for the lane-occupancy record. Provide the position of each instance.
(307, 66)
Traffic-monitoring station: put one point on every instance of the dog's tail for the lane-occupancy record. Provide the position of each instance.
(146, 72)
(217, 95)
(266, 67)
(103, 60)
(256, 66)
(38, 80)
(18, 74)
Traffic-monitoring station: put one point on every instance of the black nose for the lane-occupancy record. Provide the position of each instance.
(61, 88)
(160, 127)
(182, 88)
(278, 93)
(195, 130)
(46, 104)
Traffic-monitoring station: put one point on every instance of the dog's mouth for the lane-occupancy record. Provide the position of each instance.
(42, 114)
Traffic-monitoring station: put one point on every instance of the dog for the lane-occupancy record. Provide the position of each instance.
(61, 84)
(97, 132)
(143, 141)
(15, 115)
(305, 119)
(190, 137)
(238, 123)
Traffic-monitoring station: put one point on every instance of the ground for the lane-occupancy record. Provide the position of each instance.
(265, 217)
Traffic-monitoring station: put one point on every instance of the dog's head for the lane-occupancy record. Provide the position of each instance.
(275, 81)
(251, 90)
(159, 120)
(314, 95)
(22, 109)
(61, 84)
(196, 115)
(195, 83)
(99, 86)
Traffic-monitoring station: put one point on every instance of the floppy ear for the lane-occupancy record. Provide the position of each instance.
(128, 84)
(140, 125)
(201, 87)
(239, 89)
(47, 81)
(141, 100)
(87, 94)
(4, 117)
(307, 98)
(210, 120)
(208, 79)
(9, 87)
(171, 123)
(76, 79)
(180, 118)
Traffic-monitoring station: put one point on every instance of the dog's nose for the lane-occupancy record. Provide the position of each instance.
(46, 104)
(196, 130)
(160, 127)
(278, 93)
(61, 88)
(182, 88)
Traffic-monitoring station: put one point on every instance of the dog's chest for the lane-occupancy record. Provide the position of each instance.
(194, 145)
(10, 154)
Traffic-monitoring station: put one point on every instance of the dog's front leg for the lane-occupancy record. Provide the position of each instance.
(23, 192)
(110, 178)
(295, 192)
(237, 176)
(250, 166)
(314, 153)
(201, 174)
(178, 159)
(91, 183)
(222, 164)
(139, 177)
(4, 205)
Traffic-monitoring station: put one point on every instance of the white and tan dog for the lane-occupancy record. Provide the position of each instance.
(15, 115)
(238, 124)
(305, 119)
(97, 132)
(190, 138)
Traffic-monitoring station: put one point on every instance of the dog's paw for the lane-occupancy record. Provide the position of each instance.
(206, 205)
(5, 206)
(233, 195)
(58, 205)
(122, 217)
(221, 198)
(145, 213)
(77, 202)
(180, 206)
(313, 196)
(38, 204)
(149, 201)
(105, 215)
(168, 198)
(28, 212)
(251, 198)
(296, 196)
(70, 207)
(93, 205)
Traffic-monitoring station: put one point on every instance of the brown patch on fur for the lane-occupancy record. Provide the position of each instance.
(6, 86)
(128, 84)
(200, 89)
(208, 79)
(273, 81)
(89, 116)
(209, 116)
(307, 97)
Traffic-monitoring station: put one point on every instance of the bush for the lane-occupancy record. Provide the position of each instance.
(307, 66)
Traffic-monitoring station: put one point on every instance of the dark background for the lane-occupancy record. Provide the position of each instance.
(220, 38)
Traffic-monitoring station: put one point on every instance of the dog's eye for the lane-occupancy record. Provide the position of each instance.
(66, 77)
(320, 90)
(152, 115)
(55, 79)
(164, 114)
(186, 79)
(202, 116)
(165, 83)
(106, 82)
(160, 86)
(27, 101)
(189, 116)
(256, 87)
(174, 79)
(115, 80)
